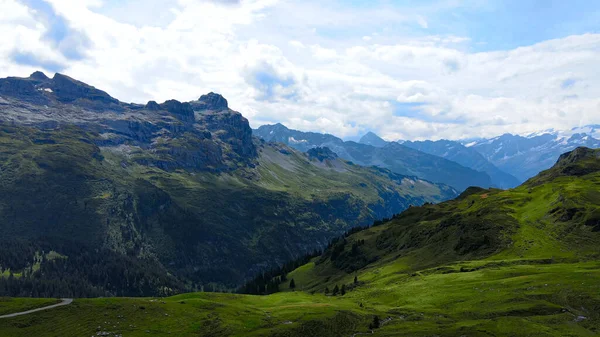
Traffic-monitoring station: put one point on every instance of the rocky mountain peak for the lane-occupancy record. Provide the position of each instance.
(279, 126)
(40, 76)
(213, 101)
(152, 105)
(68, 90)
(578, 155)
(372, 139)
(183, 111)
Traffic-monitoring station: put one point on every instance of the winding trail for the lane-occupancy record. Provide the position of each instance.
(65, 301)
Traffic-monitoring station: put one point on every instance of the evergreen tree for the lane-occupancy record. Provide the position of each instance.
(375, 324)
(355, 279)
(343, 291)
(336, 290)
(326, 290)
(292, 284)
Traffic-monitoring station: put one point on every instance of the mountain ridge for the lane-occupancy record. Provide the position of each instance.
(394, 156)
(524, 157)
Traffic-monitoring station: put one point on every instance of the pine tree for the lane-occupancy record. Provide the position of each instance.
(375, 324)
(343, 291)
(292, 284)
(326, 290)
(336, 290)
(355, 279)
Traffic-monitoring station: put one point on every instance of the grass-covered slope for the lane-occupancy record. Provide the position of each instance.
(523, 262)
(79, 219)
(519, 262)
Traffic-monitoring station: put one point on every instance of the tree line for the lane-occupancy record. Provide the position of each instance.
(268, 282)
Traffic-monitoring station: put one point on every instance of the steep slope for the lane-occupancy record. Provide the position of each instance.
(548, 216)
(101, 197)
(393, 156)
(524, 157)
(467, 157)
(522, 262)
(530, 255)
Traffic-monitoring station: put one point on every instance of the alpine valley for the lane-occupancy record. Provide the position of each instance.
(519, 262)
(177, 219)
(105, 198)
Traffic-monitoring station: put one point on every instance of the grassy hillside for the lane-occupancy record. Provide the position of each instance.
(120, 224)
(523, 262)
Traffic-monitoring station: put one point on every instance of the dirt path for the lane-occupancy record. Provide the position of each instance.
(65, 301)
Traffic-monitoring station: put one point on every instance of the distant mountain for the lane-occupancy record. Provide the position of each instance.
(396, 157)
(526, 156)
(465, 156)
(101, 198)
(372, 139)
(302, 141)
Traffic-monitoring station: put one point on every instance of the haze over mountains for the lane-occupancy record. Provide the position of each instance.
(396, 157)
(507, 160)
(525, 156)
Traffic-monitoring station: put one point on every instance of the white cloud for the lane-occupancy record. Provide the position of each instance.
(296, 44)
(313, 71)
(422, 22)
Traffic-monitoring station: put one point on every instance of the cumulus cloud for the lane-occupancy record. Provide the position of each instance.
(320, 69)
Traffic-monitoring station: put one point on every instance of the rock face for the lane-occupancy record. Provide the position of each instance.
(183, 111)
(321, 153)
(68, 90)
(152, 105)
(212, 101)
(22, 89)
(197, 135)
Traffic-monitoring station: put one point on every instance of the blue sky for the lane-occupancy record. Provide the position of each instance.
(502, 25)
(404, 69)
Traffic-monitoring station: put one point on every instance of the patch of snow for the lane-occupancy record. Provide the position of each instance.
(408, 181)
(426, 183)
(470, 144)
(542, 132)
(293, 140)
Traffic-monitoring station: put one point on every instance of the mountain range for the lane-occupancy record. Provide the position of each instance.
(507, 160)
(393, 156)
(526, 156)
(108, 198)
